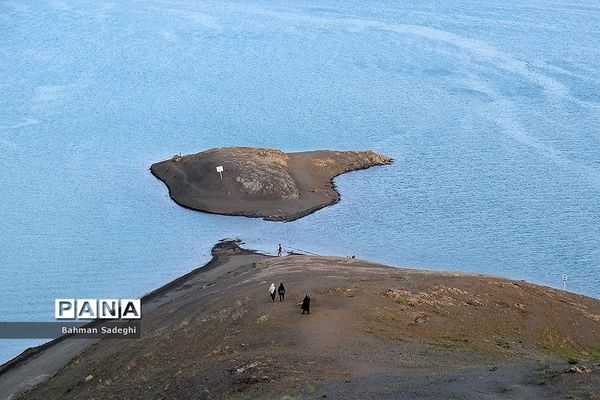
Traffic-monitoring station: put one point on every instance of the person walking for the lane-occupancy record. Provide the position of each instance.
(272, 292)
(279, 250)
(281, 291)
(306, 304)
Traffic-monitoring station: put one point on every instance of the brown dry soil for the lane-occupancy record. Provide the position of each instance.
(373, 332)
(265, 183)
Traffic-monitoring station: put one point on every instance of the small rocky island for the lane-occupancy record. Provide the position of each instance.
(257, 182)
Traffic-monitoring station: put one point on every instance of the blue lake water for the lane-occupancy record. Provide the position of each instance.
(491, 110)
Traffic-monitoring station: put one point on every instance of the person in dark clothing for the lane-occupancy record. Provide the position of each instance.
(279, 250)
(306, 305)
(281, 291)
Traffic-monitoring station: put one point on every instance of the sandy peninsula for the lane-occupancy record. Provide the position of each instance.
(256, 182)
(373, 332)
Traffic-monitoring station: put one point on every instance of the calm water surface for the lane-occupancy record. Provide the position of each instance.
(491, 110)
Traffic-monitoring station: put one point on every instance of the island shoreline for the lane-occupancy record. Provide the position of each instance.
(371, 160)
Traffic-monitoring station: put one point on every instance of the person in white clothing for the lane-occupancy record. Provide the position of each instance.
(272, 292)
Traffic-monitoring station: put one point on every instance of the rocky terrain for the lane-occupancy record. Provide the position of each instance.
(373, 332)
(255, 182)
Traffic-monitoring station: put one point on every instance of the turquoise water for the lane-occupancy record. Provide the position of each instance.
(491, 110)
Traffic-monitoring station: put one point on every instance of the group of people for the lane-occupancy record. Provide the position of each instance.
(280, 291)
(305, 306)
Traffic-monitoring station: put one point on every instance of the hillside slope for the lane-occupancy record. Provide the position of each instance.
(373, 331)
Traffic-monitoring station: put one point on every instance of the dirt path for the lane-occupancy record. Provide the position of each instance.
(34, 369)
